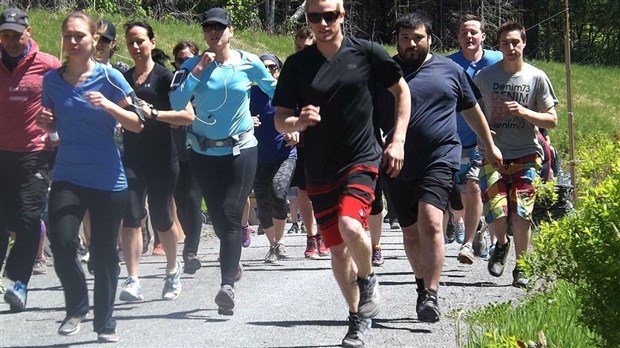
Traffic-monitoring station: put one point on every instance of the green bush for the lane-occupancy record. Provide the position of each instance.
(583, 248)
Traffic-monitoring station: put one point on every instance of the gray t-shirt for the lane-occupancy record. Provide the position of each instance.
(515, 136)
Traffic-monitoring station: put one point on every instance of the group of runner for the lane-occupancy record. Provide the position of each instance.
(350, 116)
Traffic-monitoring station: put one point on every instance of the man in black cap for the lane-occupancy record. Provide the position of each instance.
(25, 149)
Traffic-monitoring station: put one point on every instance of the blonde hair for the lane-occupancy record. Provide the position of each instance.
(339, 4)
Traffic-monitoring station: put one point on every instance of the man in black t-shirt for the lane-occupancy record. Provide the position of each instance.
(439, 89)
(330, 82)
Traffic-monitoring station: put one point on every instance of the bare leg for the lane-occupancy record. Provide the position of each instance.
(358, 244)
(345, 272)
(132, 249)
(306, 211)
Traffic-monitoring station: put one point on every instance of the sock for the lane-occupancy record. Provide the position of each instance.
(172, 271)
(420, 283)
(432, 291)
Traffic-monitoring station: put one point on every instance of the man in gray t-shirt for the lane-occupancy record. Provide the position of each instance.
(516, 98)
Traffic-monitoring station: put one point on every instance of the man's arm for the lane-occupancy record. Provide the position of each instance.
(287, 122)
(394, 154)
(478, 123)
(544, 119)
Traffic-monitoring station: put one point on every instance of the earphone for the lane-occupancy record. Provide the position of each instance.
(226, 80)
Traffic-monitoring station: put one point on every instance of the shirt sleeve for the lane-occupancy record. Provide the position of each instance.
(261, 76)
(117, 79)
(182, 95)
(469, 91)
(287, 94)
(545, 98)
(385, 69)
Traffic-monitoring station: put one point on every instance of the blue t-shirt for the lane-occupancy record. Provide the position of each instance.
(87, 154)
(439, 89)
(271, 144)
(222, 99)
(467, 135)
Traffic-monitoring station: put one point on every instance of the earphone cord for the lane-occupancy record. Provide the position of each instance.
(226, 80)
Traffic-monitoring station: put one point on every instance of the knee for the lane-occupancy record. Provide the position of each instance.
(410, 236)
(349, 226)
(339, 252)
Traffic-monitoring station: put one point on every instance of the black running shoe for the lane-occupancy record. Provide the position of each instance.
(225, 300)
(428, 310)
(369, 303)
(497, 261)
(358, 329)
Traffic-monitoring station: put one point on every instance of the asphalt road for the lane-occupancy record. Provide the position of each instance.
(295, 303)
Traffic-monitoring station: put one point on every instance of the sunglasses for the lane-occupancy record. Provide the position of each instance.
(317, 17)
(271, 67)
(214, 26)
(181, 60)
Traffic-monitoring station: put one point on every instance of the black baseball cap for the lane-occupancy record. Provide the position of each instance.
(216, 14)
(110, 29)
(14, 19)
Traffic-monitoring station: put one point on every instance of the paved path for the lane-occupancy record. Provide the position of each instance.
(295, 303)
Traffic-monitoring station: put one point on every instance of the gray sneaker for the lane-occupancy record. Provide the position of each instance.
(271, 256)
(172, 284)
(519, 280)
(497, 261)
(107, 336)
(466, 254)
(225, 300)
(280, 251)
(368, 306)
(39, 267)
(70, 325)
(132, 291)
(358, 329)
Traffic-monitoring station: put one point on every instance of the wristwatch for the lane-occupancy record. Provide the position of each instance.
(154, 113)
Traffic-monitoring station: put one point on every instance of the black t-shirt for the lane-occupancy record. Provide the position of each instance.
(439, 89)
(341, 88)
(155, 141)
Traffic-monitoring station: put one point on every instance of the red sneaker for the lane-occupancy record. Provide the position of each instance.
(311, 248)
(323, 250)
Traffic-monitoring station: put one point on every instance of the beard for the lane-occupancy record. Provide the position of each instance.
(413, 57)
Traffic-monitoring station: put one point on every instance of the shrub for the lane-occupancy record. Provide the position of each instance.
(583, 248)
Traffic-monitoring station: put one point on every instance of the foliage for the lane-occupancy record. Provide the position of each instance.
(583, 248)
(552, 315)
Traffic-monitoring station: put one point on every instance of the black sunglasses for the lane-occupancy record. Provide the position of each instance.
(181, 60)
(317, 17)
(214, 26)
(271, 67)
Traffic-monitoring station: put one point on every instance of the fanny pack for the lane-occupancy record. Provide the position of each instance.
(201, 143)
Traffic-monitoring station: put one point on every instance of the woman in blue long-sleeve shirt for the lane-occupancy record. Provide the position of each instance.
(224, 147)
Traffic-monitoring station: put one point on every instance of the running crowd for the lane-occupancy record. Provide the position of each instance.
(452, 142)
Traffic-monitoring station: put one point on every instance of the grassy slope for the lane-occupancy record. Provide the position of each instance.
(596, 93)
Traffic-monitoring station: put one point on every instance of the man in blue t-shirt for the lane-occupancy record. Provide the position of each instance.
(439, 89)
(473, 58)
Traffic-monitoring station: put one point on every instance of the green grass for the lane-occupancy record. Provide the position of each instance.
(553, 313)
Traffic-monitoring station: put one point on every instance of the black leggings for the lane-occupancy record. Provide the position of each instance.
(226, 182)
(188, 198)
(158, 179)
(67, 204)
(271, 187)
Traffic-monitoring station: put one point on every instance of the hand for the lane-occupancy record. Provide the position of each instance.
(256, 121)
(308, 117)
(515, 108)
(146, 108)
(291, 139)
(46, 121)
(394, 158)
(494, 156)
(205, 59)
(97, 100)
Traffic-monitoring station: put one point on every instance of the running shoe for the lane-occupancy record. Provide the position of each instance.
(280, 251)
(17, 296)
(294, 228)
(40, 266)
(497, 261)
(172, 284)
(312, 250)
(131, 290)
(225, 300)
(246, 236)
(70, 325)
(323, 250)
(356, 334)
(466, 254)
(428, 310)
(158, 250)
(271, 256)
(369, 302)
(377, 256)
(191, 263)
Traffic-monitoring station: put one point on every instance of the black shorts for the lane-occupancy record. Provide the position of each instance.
(433, 188)
(299, 177)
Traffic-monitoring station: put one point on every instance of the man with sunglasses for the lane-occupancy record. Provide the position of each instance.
(329, 82)
(25, 149)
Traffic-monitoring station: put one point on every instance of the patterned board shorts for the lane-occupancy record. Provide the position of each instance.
(509, 188)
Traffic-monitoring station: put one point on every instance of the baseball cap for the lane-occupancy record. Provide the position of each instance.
(216, 14)
(14, 19)
(110, 30)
